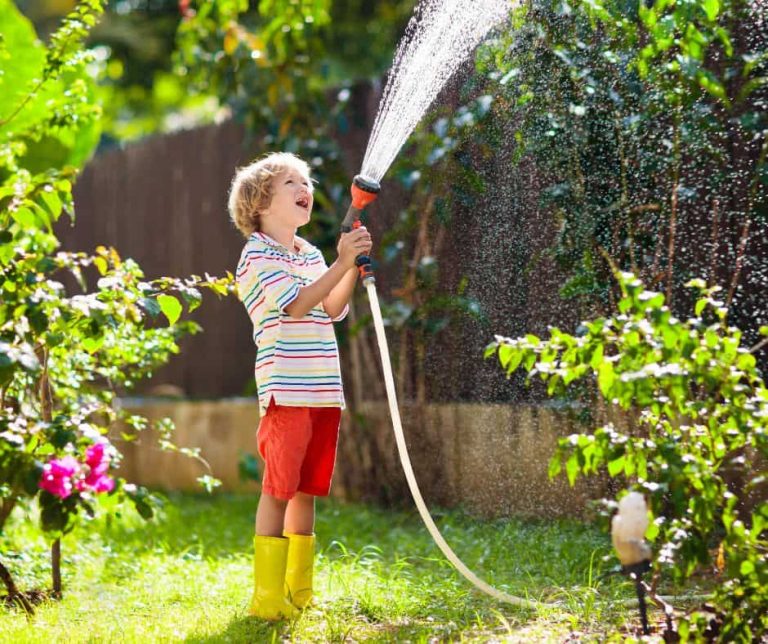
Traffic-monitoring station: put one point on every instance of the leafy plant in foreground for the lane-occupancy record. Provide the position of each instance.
(700, 447)
(66, 349)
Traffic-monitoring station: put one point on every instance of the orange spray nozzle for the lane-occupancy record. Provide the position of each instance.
(364, 191)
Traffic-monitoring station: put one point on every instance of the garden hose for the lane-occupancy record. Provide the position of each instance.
(364, 192)
(405, 460)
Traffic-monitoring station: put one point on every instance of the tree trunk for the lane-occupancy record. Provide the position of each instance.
(6, 507)
(13, 592)
(56, 568)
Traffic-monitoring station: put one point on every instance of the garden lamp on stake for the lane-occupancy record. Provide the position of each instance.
(627, 533)
(364, 192)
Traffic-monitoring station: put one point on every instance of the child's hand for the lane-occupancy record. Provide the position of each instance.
(352, 244)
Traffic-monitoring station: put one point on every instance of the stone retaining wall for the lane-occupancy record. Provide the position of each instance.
(490, 459)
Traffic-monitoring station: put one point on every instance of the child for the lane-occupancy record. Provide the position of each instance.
(293, 298)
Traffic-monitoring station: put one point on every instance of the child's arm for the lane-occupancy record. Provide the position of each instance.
(337, 299)
(350, 246)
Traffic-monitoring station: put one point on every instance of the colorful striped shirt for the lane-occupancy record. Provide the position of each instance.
(297, 361)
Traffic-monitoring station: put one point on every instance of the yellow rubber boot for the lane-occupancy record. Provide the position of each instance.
(269, 601)
(299, 568)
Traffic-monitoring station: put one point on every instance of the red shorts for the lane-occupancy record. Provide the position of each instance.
(298, 445)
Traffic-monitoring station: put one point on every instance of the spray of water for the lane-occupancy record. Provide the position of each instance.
(441, 35)
(439, 38)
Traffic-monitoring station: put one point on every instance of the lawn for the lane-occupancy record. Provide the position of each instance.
(186, 576)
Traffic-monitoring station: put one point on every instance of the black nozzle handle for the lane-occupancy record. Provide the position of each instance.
(363, 262)
(364, 268)
(348, 223)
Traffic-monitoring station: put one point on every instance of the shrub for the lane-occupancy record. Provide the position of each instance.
(66, 350)
(702, 413)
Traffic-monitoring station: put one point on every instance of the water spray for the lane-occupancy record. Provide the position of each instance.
(441, 35)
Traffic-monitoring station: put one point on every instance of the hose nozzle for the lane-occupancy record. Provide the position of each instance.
(364, 192)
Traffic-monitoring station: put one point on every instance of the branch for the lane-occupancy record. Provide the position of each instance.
(759, 345)
(13, 593)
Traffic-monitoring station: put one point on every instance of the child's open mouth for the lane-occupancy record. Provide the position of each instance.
(303, 202)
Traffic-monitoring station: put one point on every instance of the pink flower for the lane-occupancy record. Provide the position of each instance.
(94, 455)
(103, 484)
(58, 474)
(96, 479)
(63, 474)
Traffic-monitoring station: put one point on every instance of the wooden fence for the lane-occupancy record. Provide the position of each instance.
(162, 201)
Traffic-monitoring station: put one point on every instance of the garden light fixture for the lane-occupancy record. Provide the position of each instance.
(628, 535)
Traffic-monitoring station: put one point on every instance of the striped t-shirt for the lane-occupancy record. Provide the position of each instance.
(297, 361)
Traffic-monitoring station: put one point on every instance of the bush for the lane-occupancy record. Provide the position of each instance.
(702, 413)
(66, 350)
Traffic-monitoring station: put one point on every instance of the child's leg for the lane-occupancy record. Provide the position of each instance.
(283, 436)
(300, 514)
(299, 528)
(270, 516)
(270, 557)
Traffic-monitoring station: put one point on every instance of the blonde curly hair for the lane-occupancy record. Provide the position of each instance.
(252, 188)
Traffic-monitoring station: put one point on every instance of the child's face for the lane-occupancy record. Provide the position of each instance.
(291, 197)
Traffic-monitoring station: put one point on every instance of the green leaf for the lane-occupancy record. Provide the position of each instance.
(28, 56)
(746, 362)
(150, 306)
(597, 357)
(25, 218)
(192, 298)
(616, 466)
(530, 360)
(514, 361)
(572, 468)
(711, 8)
(170, 307)
(605, 378)
(653, 531)
(55, 116)
(248, 467)
(143, 508)
(505, 355)
(92, 344)
(30, 477)
(53, 516)
(555, 466)
(52, 203)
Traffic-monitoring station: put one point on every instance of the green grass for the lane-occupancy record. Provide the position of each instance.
(186, 576)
